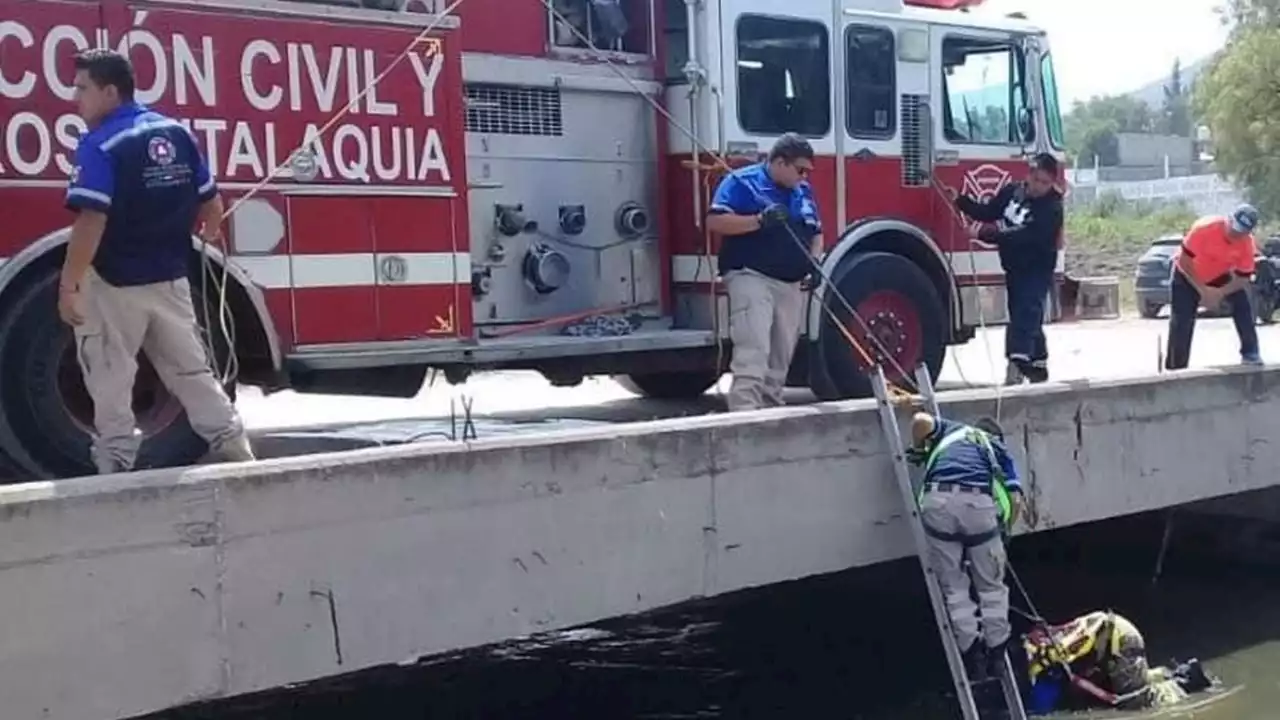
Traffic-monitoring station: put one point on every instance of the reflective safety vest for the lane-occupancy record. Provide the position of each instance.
(1088, 640)
(998, 491)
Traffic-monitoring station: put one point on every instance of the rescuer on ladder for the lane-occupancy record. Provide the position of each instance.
(138, 188)
(1028, 217)
(761, 211)
(970, 498)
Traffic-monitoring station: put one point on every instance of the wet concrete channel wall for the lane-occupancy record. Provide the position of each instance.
(131, 593)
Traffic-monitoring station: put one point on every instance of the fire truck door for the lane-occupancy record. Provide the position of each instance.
(981, 141)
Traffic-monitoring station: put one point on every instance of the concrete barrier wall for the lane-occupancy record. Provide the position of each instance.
(127, 594)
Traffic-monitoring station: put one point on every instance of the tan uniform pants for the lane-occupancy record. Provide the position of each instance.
(956, 513)
(158, 319)
(764, 325)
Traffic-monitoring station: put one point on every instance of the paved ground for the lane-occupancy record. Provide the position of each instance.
(524, 402)
(289, 423)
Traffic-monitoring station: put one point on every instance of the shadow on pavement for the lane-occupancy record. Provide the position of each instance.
(336, 438)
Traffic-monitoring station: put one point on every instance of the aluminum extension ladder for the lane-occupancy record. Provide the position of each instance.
(909, 489)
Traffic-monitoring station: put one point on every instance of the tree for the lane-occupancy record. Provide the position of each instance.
(1238, 98)
(1175, 116)
(1091, 127)
(1252, 13)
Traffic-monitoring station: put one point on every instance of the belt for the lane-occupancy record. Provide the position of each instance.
(954, 487)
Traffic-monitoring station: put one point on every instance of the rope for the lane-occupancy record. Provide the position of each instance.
(894, 389)
(226, 322)
(992, 366)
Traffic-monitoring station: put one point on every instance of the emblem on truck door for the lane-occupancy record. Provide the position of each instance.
(982, 183)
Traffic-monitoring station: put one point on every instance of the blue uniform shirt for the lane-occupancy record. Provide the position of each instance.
(769, 251)
(145, 172)
(967, 462)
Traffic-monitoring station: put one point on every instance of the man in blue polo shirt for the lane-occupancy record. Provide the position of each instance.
(970, 498)
(771, 234)
(138, 189)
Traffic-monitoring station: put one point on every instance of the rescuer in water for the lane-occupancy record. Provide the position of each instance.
(1099, 660)
(1027, 219)
(138, 189)
(1215, 262)
(772, 236)
(971, 497)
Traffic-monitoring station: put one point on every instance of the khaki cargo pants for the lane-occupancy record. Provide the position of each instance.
(158, 319)
(764, 325)
(972, 514)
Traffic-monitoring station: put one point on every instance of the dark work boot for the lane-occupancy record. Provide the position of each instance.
(1032, 371)
(975, 663)
(995, 659)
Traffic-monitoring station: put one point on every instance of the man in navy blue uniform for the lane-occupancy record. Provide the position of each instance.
(139, 189)
(1028, 222)
(771, 237)
(970, 498)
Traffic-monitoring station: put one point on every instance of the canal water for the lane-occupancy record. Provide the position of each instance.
(860, 644)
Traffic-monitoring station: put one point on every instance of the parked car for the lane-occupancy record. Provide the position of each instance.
(1266, 281)
(1151, 280)
(1155, 267)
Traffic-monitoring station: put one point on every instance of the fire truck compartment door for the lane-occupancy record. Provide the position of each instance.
(422, 275)
(332, 267)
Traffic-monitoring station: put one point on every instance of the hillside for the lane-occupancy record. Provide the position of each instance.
(1153, 93)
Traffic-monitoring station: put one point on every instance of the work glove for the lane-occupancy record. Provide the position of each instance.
(917, 456)
(774, 215)
(1015, 510)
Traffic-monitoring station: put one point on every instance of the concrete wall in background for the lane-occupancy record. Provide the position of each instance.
(132, 593)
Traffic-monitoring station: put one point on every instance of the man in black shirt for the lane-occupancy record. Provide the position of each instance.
(1026, 222)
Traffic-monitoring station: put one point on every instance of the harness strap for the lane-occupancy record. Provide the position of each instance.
(969, 541)
(1004, 504)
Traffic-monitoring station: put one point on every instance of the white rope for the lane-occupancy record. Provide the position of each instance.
(701, 148)
(226, 322)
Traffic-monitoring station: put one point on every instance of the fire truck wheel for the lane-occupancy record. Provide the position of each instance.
(901, 317)
(668, 385)
(49, 413)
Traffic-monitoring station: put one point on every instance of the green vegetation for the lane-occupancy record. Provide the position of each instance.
(1091, 127)
(1108, 237)
(1237, 99)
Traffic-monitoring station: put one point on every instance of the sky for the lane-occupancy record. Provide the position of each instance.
(1103, 47)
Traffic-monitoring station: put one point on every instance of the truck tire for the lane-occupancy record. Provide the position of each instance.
(1149, 310)
(895, 298)
(49, 415)
(669, 385)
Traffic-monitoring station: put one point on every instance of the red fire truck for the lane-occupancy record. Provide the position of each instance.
(524, 187)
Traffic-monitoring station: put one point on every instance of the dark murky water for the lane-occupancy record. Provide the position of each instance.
(857, 645)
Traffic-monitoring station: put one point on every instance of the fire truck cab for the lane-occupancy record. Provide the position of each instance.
(523, 187)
